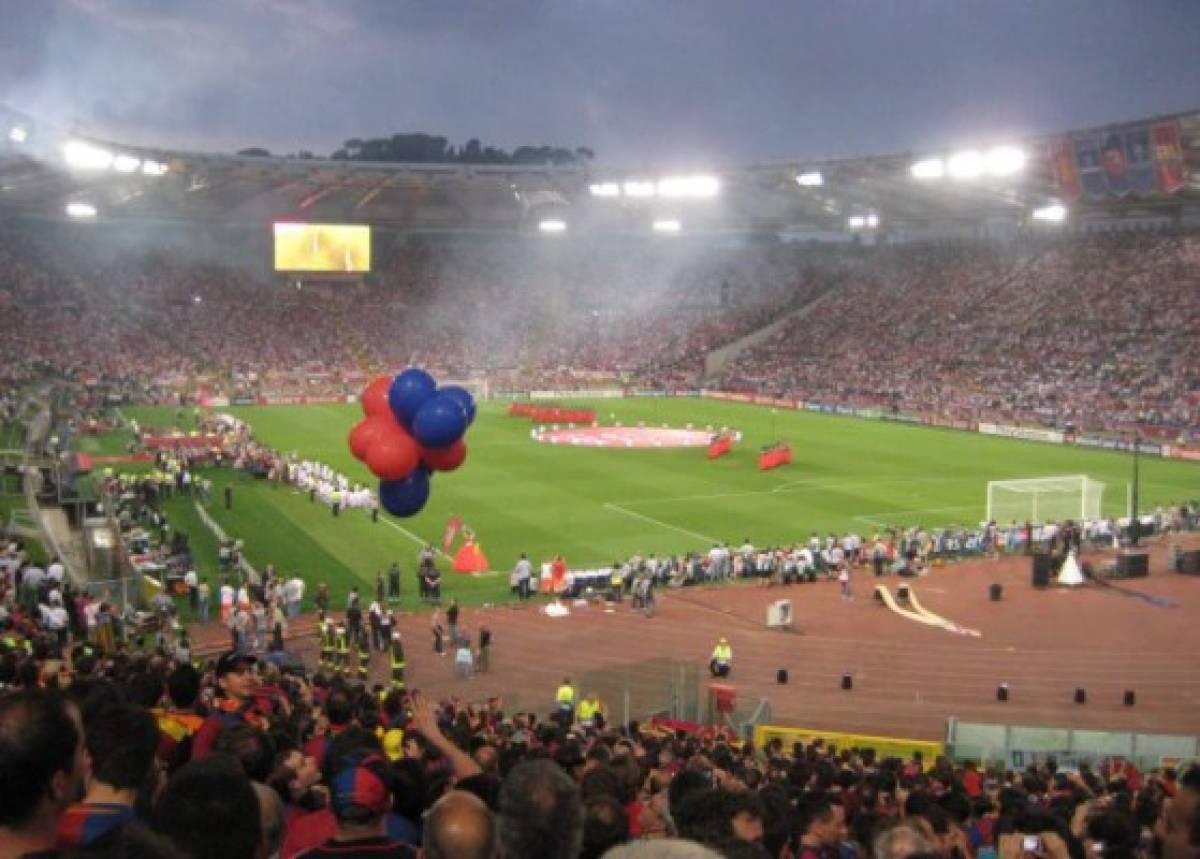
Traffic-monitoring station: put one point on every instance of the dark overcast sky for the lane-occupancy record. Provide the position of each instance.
(656, 82)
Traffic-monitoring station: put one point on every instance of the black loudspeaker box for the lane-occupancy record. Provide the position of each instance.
(1133, 565)
(1189, 562)
(1042, 566)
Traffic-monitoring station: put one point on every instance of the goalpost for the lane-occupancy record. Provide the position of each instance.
(1044, 499)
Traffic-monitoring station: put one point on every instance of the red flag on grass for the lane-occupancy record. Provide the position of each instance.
(453, 526)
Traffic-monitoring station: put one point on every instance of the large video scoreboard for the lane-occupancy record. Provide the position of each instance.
(332, 248)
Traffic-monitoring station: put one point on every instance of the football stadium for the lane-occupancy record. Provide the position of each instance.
(473, 500)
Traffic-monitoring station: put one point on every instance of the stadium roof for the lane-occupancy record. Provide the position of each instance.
(814, 196)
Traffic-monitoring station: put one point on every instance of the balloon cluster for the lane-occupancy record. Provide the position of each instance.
(411, 429)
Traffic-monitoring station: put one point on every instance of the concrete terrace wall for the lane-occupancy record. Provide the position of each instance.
(715, 361)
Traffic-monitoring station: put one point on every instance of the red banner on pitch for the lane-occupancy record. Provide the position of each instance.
(720, 446)
(775, 457)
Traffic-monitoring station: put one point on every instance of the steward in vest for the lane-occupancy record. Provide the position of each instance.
(341, 649)
(565, 698)
(396, 658)
(616, 583)
(327, 642)
(362, 661)
(722, 659)
(591, 711)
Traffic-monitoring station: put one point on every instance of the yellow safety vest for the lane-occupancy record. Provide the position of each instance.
(566, 694)
(723, 653)
(587, 710)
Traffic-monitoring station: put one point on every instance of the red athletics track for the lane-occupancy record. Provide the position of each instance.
(908, 678)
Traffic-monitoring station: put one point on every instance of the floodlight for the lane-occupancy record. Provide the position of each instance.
(812, 179)
(639, 189)
(930, 168)
(692, 187)
(856, 222)
(605, 189)
(153, 168)
(552, 225)
(872, 221)
(1005, 161)
(81, 210)
(965, 165)
(17, 134)
(85, 156)
(126, 164)
(667, 225)
(1054, 213)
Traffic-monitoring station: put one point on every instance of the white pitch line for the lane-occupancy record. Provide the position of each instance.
(410, 535)
(660, 523)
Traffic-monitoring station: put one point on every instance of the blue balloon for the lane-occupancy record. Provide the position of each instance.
(405, 497)
(464, 398)
(408, 392)
(441, 421)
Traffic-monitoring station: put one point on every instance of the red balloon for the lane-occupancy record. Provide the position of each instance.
(445, 458)
(363, 436)
(375, 397)
(393, 455)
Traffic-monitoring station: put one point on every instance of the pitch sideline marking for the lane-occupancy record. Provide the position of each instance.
(410, 535)
(617, 507)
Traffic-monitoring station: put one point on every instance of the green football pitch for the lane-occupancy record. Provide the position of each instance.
(597, 505)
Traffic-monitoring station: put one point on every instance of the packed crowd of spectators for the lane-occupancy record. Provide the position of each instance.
(147, 324)
(1092, 334)
(109, 752)
(889, 550)
(1095, 334)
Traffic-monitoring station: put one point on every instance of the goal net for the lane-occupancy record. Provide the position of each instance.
(1044, 499)
(479, 388)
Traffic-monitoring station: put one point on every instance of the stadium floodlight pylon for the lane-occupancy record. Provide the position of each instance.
(1045, 499)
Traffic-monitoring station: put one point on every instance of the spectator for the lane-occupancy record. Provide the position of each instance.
(121, 741)
(209, 810)
(540, 813)
(459, 826)
(43, 768)
(360, 797)
(1178, 828)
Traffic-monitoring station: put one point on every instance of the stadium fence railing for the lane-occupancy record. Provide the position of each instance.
(1018, 746)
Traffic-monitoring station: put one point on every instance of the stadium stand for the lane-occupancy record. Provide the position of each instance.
(108, 747)
(1091, 334)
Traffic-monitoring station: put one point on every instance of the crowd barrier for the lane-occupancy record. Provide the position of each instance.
(884, 747)
(1018, 746)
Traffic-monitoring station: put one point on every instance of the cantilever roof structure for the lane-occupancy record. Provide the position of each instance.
(35, 180)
